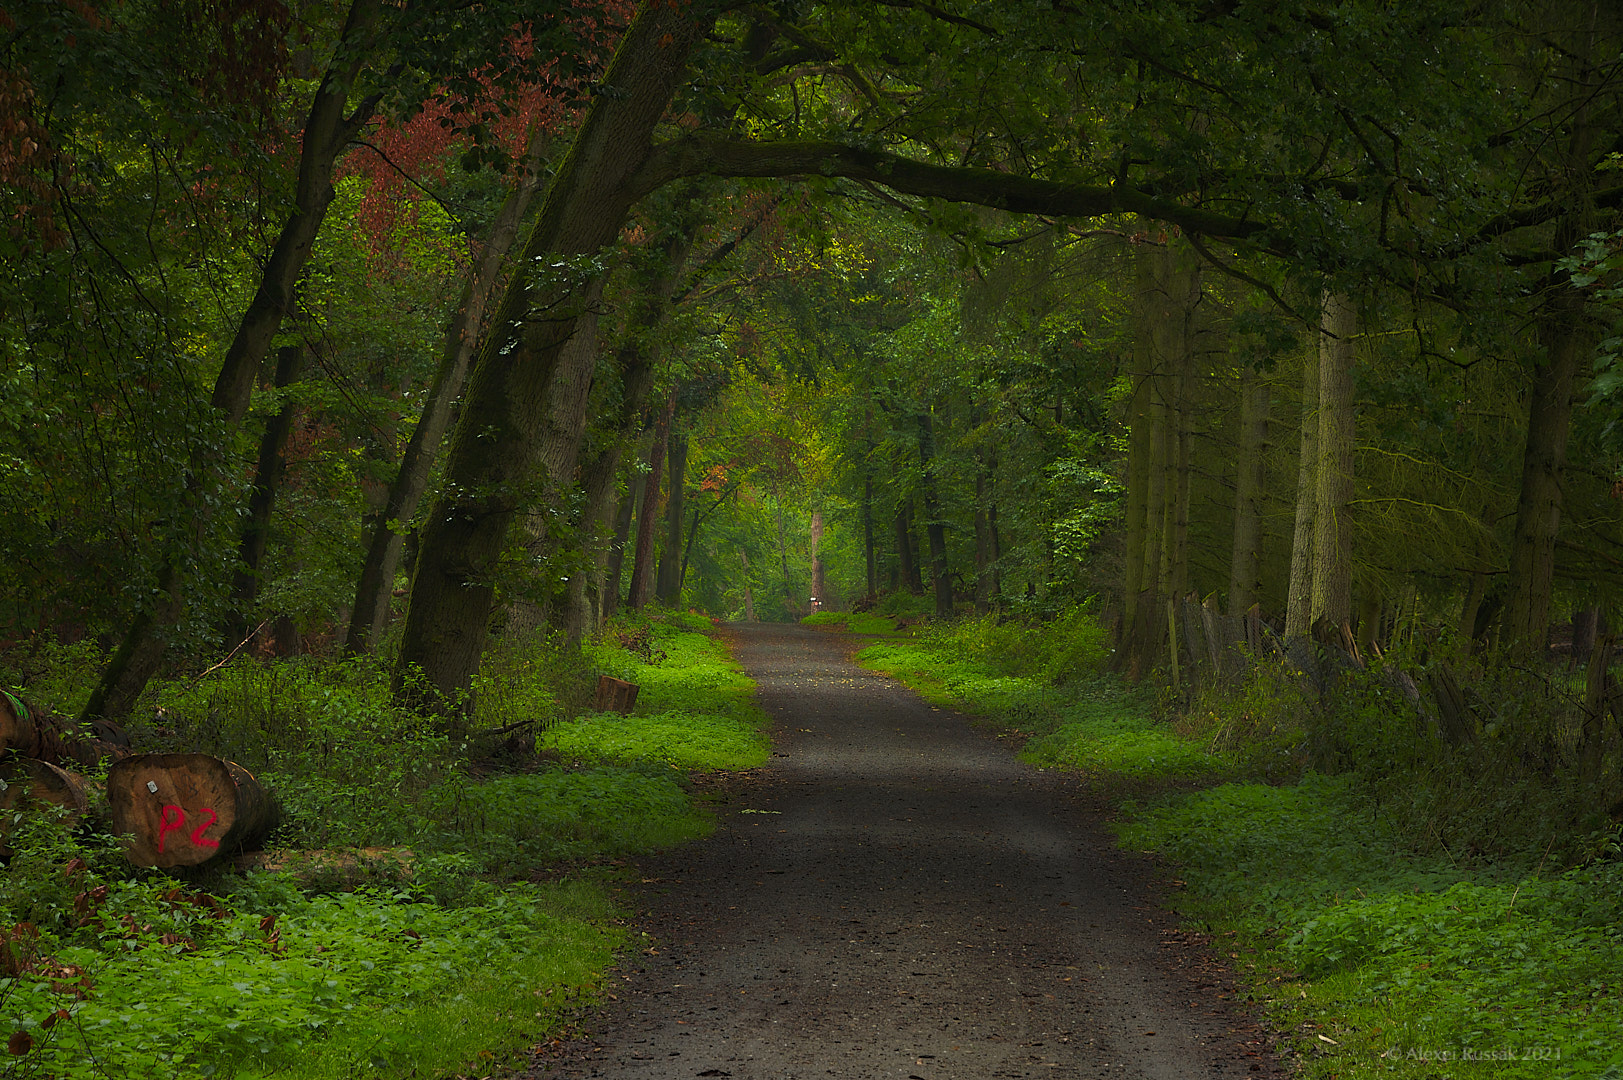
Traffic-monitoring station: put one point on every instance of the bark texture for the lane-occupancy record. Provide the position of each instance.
(1250, 489)
(375, 586)
(488, 469)
(1332, 528)
(1299, 600)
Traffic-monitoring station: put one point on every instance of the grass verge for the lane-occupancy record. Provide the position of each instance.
(1375, 960)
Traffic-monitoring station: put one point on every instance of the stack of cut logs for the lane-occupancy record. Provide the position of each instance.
(171, 809)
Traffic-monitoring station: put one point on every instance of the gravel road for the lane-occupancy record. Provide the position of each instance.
(897, 896)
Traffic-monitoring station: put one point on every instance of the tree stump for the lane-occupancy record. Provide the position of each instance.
(30, 783)
(185, 809)
(615, 695)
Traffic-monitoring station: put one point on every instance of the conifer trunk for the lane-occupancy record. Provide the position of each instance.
(1299, 600)
(1565, 336)
(1332, 528)
(870, 561)
(1250, 489)
(934, 527)
(904, 548)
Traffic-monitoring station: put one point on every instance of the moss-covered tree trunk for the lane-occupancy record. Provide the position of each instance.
(272, 465)
(492, 454)
(642, 561)
(375, 586)
(635, 359)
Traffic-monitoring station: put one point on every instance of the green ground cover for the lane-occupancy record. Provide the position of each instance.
(1379, 950)
(492, 926)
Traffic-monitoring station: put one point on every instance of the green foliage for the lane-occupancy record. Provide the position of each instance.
(342, 760)
(1270, 853)
(336, 964)
(900, 603)
(1111, 742)
(1262, 723)
(518, 824)
(59, 675)
(1414, 957)
(694, 705)
(200, 989)
(682, 740)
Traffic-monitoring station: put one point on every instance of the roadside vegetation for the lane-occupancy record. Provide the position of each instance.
(1402, 910)
(428, 906)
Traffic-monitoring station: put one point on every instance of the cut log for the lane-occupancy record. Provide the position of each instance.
(29, 783)
(186, 809)
(19, 728)
(615, 695)
(36, 732)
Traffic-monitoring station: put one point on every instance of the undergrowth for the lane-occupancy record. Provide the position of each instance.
(436, 904)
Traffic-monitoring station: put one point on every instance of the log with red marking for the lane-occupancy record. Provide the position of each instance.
(185, 809)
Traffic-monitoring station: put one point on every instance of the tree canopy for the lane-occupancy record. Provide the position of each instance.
(1016, 305)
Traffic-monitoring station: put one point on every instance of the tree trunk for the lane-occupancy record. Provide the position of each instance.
(635, 359)
(870, 560)
(1175, 340)
(623, 517)
(559, 450)
(642, 564)
(1566, 335)
(1475, 593)
(1332, 528)
(783, 556)
(1250, 491)
(375, 586)
(997, 554)
(1140, 428)
(749, 597)
(907, 564)
(494, 448)
(668, 582)
(934, 526)
(1585, 625)
(327, 132)
(816, 543)
(262, 498)
(1299, 601)
(983, 546)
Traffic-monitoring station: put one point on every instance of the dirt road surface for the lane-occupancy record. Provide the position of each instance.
(897, 896)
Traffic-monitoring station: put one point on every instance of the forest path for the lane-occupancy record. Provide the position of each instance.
(898, 896)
